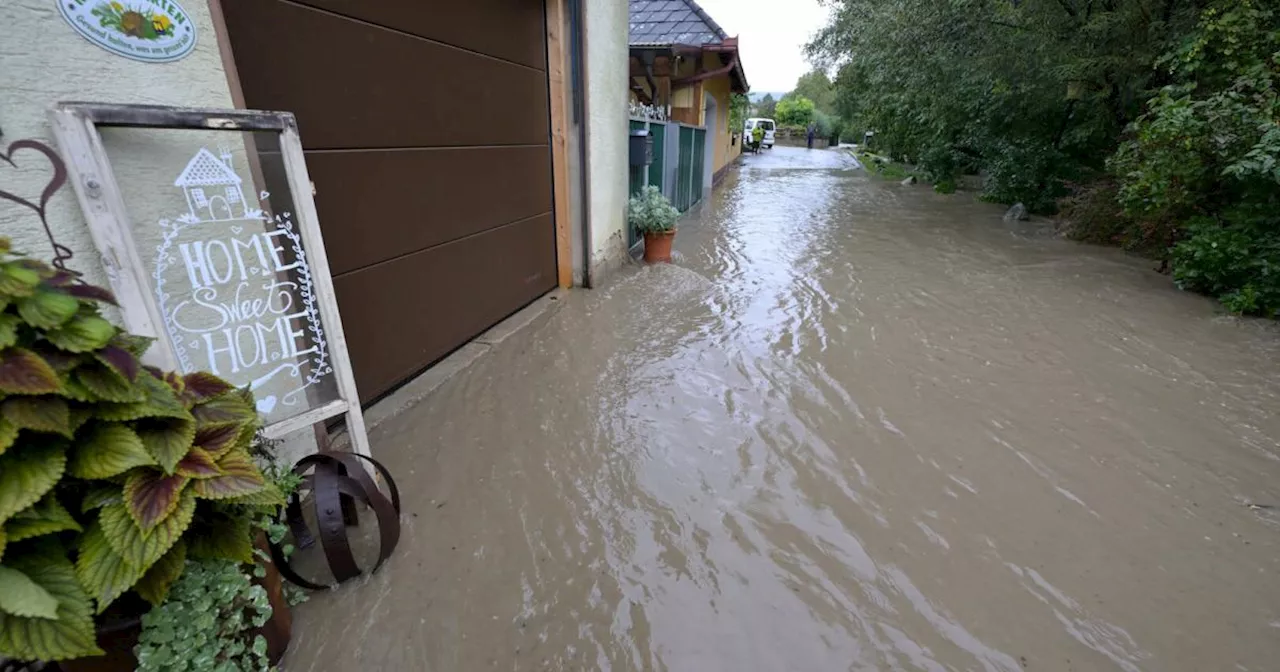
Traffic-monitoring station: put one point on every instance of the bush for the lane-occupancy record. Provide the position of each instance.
(650, 212)
(1092, 214)
(111, 474)
(797, 111)
(1238, 263)
(1026, 172)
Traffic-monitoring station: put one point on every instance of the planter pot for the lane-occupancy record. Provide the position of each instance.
(657, 247)
(121, 626)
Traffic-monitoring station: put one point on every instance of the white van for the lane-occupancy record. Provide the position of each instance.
(768, 129)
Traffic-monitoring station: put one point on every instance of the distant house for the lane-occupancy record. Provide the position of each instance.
(684, 64)
(213, 189)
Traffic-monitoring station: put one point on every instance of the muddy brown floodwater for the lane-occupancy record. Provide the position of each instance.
(856, 426)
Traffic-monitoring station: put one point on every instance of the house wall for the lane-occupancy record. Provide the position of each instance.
(607, 97)
(45, 62)
(719, 88)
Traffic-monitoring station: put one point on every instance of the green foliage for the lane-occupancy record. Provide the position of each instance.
(818, 87)
(650, 212)
(767, 107)
(882, 166)
(739, 107)
(1029, 93)
(1206, 154)
(1237, 262)
(794, 111)
(207, 623)
(107, 469)
(1164, 115)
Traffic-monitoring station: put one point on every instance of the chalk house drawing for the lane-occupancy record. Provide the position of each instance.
(247, 311)
(212, 187)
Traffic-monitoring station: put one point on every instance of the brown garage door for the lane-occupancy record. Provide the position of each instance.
(426, 126)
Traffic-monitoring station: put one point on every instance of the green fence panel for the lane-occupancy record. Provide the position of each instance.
(659, 133)
(699, 160)
(684, 170)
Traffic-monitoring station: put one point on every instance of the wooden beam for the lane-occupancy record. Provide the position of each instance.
(559, 142)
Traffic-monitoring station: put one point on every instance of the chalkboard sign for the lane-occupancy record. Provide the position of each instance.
(207, 227)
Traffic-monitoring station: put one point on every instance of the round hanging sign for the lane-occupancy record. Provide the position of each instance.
(155, 31)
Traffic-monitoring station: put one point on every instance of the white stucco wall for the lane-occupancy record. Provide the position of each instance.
(45, 61)
(607, 94)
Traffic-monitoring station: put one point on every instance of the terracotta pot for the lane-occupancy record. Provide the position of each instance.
(120, 628)
(657, 247)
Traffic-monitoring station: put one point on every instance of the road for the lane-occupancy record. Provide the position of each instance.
(856, 425)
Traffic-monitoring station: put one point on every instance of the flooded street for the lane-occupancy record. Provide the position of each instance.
(856, 426)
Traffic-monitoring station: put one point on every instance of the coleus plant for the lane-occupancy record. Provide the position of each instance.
(112, 474)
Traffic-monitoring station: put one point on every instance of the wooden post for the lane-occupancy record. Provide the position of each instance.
(559, 144)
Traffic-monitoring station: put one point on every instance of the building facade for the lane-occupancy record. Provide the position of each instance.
(466, 157)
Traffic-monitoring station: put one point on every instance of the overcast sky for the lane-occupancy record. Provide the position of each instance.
(772, 35)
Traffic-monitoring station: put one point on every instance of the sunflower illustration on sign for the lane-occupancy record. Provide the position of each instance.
(133, 21)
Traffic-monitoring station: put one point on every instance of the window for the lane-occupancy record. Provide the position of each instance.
(768, 124)
(198, 196)
(233, 195)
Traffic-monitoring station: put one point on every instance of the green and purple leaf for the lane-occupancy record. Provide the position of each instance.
(17, 280)
(222, 536)
(92, 293)
(167, 439)
(218, 439)
(46, 413)
(82, 333)
(44, 517)
(223, 409)
(20, 596)
(107, 384)
(119, 360)
(106, 450)
(46, 309)
(240, 476)
(71, 634)
(30, 471)
(24, 372)
(99, 496)
(103, 571)
(8, 330)
(202, 386)
(151, 496)
(154, 585)
(139, 548)
(8, 434)
(198, 464)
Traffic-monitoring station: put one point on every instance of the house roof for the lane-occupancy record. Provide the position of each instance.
(205, 169)
(667, 22)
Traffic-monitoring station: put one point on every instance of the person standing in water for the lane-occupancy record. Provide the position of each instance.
(809, 133)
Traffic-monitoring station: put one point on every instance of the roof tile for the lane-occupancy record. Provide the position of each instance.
(672, 22)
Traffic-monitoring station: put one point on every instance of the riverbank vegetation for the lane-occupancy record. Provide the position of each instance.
(1151, 124)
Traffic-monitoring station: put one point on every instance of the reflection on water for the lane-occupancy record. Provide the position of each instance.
(858, 426)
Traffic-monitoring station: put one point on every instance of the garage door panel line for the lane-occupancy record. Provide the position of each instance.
(415, 36)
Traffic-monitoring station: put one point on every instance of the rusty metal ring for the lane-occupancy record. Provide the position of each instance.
(335, 481)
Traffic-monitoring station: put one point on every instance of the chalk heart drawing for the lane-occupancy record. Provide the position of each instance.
(234, 287)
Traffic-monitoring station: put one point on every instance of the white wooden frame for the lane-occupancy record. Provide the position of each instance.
(76, 128)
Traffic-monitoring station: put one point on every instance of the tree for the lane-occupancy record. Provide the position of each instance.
(766, 107)
(1160, 115)
(739, 105)
(1031, 93)
(816, 86)
(794, 111)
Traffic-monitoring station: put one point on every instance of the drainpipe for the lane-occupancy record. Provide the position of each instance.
(709, 74)
(577, 74)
